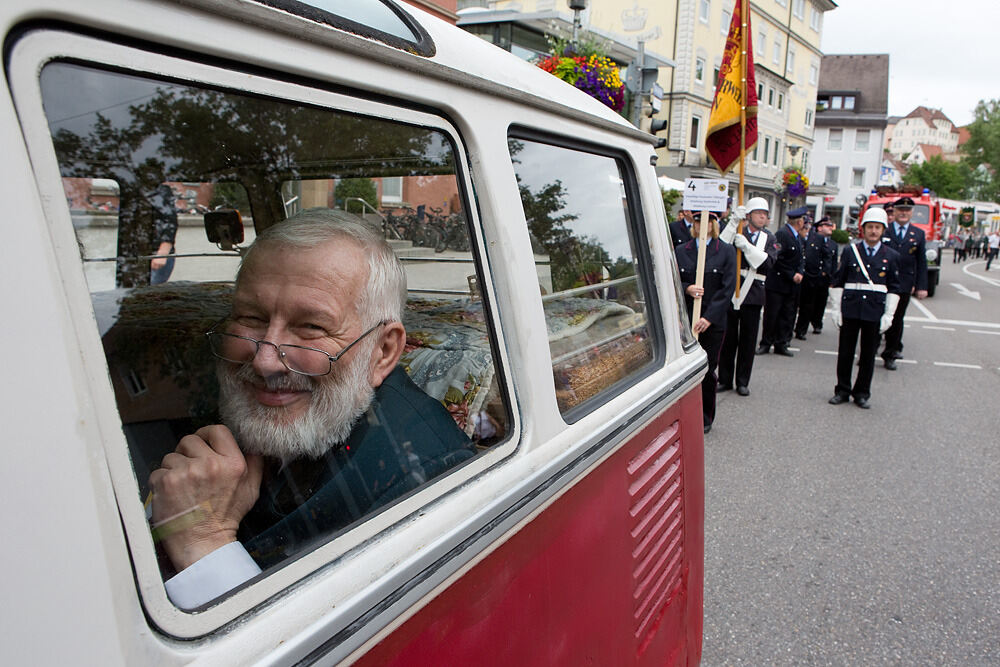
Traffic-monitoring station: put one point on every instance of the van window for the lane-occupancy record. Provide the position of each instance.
(167, 183)
(580, 223)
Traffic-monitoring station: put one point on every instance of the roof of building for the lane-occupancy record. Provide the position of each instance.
(868, 74)
(929, 116)
(930, 150)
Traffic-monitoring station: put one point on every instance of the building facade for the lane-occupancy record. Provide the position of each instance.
(923, 126)
(851, 117)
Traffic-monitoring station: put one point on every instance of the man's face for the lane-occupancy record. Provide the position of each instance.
(307, 298)
(797, 223)
(824, 230)
(902, 214)
(759, 219)
(688, 216)
(873, 232)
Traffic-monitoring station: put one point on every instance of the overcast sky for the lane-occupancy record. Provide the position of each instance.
(942, 54)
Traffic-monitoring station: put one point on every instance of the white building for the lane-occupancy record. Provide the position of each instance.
(923, 126)
(851, 108)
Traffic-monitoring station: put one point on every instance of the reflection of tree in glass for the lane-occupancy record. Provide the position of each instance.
(188, 134)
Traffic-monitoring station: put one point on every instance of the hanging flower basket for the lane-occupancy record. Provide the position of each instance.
(595, 75)
(795, 182)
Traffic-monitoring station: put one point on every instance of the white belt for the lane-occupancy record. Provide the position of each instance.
(759, 277)
(867, 287)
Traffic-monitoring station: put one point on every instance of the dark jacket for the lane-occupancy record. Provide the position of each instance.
(719, 281)
(680, 233)
(820, 259)
(912, 257)
(790, 260)
(404, 439)
(865, 304)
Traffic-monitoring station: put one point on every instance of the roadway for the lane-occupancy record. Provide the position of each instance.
(840, 536)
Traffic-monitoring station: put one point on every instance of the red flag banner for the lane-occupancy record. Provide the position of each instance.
(723, 140)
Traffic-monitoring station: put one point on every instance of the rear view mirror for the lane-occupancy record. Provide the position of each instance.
(224, 228)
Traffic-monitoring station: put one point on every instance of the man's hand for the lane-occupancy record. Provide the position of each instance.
(741, 242)
(797, 278)
(921, 294)
(695, 291)
(201, 492)
(701, 325)
(740, 212)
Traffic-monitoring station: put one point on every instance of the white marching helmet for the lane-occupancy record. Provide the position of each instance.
(874, 214)
(758, 204)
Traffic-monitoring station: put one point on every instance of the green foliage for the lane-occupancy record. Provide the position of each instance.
(360, 188)
(230, 195)
(982, 151)
(587, 44)
(670, 198)
(840, 236)
(947, 179)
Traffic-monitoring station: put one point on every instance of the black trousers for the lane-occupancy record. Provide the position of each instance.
(736, 359)
(894, 334)
(812, 305)
(779, 317)
(711, 341)
(849, 332)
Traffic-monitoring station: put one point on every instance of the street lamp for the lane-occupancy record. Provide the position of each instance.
(577, 6)
(794, 150)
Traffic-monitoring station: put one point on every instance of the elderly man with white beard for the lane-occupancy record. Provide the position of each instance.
(320, 426)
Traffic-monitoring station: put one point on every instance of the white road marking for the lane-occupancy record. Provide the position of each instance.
(906, 361)
(825, 352)
(950, 365)
(990, 281)
(923, 309)
(964, 291)
(994, 333)
(927, 326)
(957, 323)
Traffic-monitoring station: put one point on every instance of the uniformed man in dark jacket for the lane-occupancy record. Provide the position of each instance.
(680, 229)
(757, 251)
(865, 295)
(781, 289)
(907, 240)
(715, 292)
(820, 263)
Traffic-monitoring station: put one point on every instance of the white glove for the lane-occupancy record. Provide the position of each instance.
(741, 242)
(729, 233)
(836, 293)
(740, 213)
(891, 301)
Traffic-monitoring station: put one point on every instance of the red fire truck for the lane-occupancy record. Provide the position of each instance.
(926, 216)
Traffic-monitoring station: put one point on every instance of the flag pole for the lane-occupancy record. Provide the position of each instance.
(743, 125)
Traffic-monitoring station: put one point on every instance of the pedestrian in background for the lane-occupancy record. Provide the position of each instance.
(994, 248)
(820, 264)
(782, 286)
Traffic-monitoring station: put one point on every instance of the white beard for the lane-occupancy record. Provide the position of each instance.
(335, 404)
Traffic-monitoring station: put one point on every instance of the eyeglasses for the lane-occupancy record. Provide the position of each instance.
(296, 358)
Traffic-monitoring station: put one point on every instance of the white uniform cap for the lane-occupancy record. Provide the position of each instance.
(874, 214)
(758, 204)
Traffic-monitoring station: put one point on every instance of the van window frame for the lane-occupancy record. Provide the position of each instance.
(26, 57)
(637, 222)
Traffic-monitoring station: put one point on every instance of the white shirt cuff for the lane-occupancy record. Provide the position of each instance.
(212, 575)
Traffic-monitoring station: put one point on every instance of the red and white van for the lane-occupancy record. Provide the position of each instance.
(544, 312)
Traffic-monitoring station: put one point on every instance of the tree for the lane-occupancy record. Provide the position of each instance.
(982, 151)
(947, 179)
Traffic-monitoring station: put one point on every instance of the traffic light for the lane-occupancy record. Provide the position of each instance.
(658, 125)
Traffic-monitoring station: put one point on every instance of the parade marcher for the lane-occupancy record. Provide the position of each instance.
(758, 250)
(994, 248)
(680, 229)
(820, 263)
(865, 296)
(909, 242)
(967, 246)
(782, 286)
(716, 290)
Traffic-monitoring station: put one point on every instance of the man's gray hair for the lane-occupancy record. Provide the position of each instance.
(384, 297)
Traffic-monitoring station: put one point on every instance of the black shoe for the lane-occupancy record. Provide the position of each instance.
(800, 336)
(890, 364)
(897, 355)
(817, 331)
(743, 391)
(838, 399)
(862, 403)
(783, 351)
(763, 349)
(723, 387)
(708, 427)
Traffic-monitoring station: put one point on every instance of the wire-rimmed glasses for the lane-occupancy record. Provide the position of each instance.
(299, 359)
